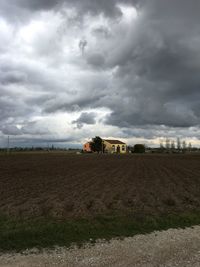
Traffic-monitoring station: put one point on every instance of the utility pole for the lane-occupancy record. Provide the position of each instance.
(8, 145)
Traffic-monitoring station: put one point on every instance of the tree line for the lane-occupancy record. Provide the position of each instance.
(178, 145)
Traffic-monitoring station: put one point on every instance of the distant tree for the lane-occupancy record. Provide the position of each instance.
(190, 147)
(139, 148)
(167, 143)
(172, 145)
(97, 144)
(184, 145)
(161, 145)
(178, 144)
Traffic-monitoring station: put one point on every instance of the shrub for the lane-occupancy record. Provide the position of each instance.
(139, 148)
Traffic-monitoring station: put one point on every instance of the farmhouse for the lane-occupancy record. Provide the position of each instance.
(109, 146)
(114, 146)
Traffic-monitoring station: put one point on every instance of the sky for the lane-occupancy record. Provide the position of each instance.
(74, 69)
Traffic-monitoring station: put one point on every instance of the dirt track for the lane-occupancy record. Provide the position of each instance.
(63, 185)
(168, 248)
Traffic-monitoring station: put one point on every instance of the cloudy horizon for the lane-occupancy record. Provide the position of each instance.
(124, 69)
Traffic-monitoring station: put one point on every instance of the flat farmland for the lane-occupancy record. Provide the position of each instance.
(76, 186)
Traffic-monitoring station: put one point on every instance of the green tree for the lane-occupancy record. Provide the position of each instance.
(97, 144)
(139, 148)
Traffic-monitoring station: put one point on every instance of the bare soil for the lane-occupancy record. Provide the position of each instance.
(64, 186)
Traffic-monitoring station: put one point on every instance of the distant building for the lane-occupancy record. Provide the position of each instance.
(86, 147)
(114, 146)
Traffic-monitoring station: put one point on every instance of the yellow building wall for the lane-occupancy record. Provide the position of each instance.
(112, 148)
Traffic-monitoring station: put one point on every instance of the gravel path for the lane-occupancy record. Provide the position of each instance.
(170, 248)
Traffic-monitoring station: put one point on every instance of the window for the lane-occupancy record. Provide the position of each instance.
(113, 147)
(123, 148)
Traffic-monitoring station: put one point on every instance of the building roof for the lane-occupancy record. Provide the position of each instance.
(114, 142)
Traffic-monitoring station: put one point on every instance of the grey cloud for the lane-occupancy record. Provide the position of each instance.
(101, 32)
(95, 60)
(37, 4)
(10, 130)
(34, 128)
(109, 8)
(64, 104)
(158, 67)
(162, 132)
(28, 128)
(93, 87)
(22, 9)
(12, 77)
(12, 107)
(85, 118)
(20, 85)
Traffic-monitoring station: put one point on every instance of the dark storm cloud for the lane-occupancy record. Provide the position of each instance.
(21, 9)
(85, 118)
(158, 67)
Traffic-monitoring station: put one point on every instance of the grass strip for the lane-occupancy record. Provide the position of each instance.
(18, 235)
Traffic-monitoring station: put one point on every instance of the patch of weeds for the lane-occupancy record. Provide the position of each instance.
(19, 234)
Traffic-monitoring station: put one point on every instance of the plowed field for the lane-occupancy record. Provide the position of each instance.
(64, 186)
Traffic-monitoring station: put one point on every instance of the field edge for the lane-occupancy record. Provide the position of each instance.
(20, 234)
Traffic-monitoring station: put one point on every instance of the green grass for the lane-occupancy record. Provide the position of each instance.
(18, 235)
